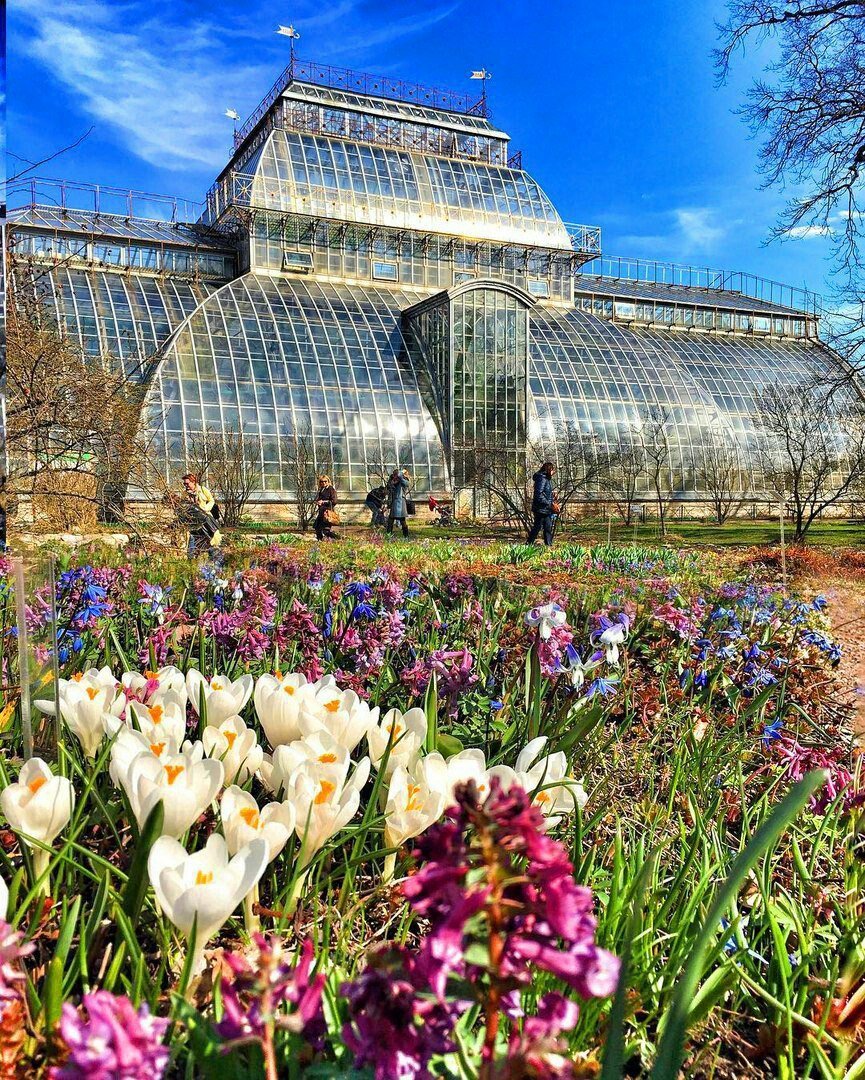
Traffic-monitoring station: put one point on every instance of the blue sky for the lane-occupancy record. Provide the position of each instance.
(614, 105)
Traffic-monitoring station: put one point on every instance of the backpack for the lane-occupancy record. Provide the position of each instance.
(215, 512)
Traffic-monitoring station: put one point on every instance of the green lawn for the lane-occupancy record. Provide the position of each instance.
(737, 533)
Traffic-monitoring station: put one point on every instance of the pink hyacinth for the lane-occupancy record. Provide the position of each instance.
(114, 1042)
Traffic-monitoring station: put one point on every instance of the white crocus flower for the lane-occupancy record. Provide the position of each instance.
(277, 701)
(84, 700)
(167, 685)
(201, 891)
(414, 801)
(320, 751)
(158, 721)
(38, 807)
(184, 783)
(242, 821)
(129, 743)
(471, 765)
(325, 800)
(406, 733)
(546, 780)
(236, 746)
(546, 618)
(341, 713)
(224, 698)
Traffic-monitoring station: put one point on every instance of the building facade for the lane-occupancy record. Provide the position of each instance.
(374, 272)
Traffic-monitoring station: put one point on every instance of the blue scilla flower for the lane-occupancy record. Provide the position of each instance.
(496, 705)
(364, 611)
(338, 576)
(834, 652)
(327, 626)
(359, 590)
(684, 678)
(412, 592)
(772, 732)
(753, 652)
(726, 652)
(602, 686)
(819, 603)
(701, 680)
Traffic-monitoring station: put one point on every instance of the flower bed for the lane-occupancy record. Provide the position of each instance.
(460, 810)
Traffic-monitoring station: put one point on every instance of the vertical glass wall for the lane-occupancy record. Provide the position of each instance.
(489, 365)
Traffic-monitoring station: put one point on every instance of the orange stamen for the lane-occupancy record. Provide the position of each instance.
(332, 706)
(327, 759)
(36, 784)
(327, 789)
(157, 748)
(230, 736)
(92, 692)
(250, 816)
(173, 771)
(289, 689)
(156, 713)
(203, 879)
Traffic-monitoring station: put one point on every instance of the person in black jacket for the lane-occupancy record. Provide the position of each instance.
(326, 501)
(543, 504)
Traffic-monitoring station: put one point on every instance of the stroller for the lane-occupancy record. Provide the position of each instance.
(444, 510)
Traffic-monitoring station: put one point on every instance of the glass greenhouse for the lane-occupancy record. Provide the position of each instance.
(375, 270)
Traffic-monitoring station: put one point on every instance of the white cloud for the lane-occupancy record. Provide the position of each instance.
(162, 85)
(678, 234)
(698, 228)
(808, 232)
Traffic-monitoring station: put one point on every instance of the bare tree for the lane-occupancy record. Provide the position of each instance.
(719, 472)
(810, 111)
(73, 422)
(230, 466)
(655, 444)
(505, 476)
(304, 464)
(620, 480)
(812, 453)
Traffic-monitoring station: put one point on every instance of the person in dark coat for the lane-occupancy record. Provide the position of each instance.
(375, 502)
(543, 504)
(397, 500)
(325, 501)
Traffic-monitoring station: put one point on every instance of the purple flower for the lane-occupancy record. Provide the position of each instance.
(115, 1042)
(393, 1026)
(12, 952)
(252, 998)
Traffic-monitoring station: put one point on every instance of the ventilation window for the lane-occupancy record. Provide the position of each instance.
(299, 262)
(539, 288)
(625, 311)
(385, 271)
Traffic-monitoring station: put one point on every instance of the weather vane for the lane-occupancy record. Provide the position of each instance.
(292, 35)
(484, 76)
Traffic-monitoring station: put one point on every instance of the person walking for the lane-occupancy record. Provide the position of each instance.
(203, 517)
(397, 499)
(544, 506)
(327, 516)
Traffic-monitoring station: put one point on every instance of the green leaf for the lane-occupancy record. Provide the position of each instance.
(448, 745)
(671, 1050)
(137, 882)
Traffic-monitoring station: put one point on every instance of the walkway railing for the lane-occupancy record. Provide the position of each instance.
(100, 199)
(654, 272)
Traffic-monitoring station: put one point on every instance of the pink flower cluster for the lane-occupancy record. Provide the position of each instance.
(115, 1040)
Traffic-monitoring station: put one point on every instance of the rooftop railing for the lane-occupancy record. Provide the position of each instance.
(654, 272)
(358, 82)
(585, 239)
(100, 199)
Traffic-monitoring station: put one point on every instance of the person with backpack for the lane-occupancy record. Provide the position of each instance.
(544, 506)
(203, 518)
